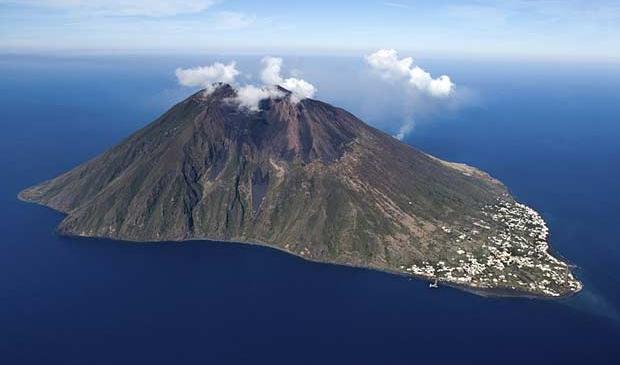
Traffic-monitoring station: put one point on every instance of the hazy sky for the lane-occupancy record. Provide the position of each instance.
(556, 29)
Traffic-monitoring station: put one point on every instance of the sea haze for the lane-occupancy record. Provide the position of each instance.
(550, 132)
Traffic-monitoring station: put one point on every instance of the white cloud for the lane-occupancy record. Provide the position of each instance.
(387, 63)
(205, 76)
(231, 20)
(271, 75)
(153, 8)
(441, 86)
(396, 5)
(250, 96)
(301, 89)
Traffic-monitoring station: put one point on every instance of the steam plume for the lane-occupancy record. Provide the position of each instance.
(387, 63)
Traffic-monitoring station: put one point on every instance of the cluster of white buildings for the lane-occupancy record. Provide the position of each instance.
(509, 251)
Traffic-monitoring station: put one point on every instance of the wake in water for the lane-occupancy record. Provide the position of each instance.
(590, 301)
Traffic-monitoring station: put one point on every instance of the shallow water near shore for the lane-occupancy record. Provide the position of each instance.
(74, 301)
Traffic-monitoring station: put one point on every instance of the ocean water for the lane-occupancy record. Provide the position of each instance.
(551, 132)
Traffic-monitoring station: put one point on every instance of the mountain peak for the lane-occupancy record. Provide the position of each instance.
(306, 130)
(216, 91)
(222, 90)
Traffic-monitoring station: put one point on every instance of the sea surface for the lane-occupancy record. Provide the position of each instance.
(549, 131)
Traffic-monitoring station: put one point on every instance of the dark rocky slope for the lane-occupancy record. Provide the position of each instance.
(313, 180)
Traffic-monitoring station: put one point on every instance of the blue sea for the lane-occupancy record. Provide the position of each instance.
(550, 131)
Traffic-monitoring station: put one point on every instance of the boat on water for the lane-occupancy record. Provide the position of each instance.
(433, 285)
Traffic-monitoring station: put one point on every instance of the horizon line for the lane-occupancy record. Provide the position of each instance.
(306, 52)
